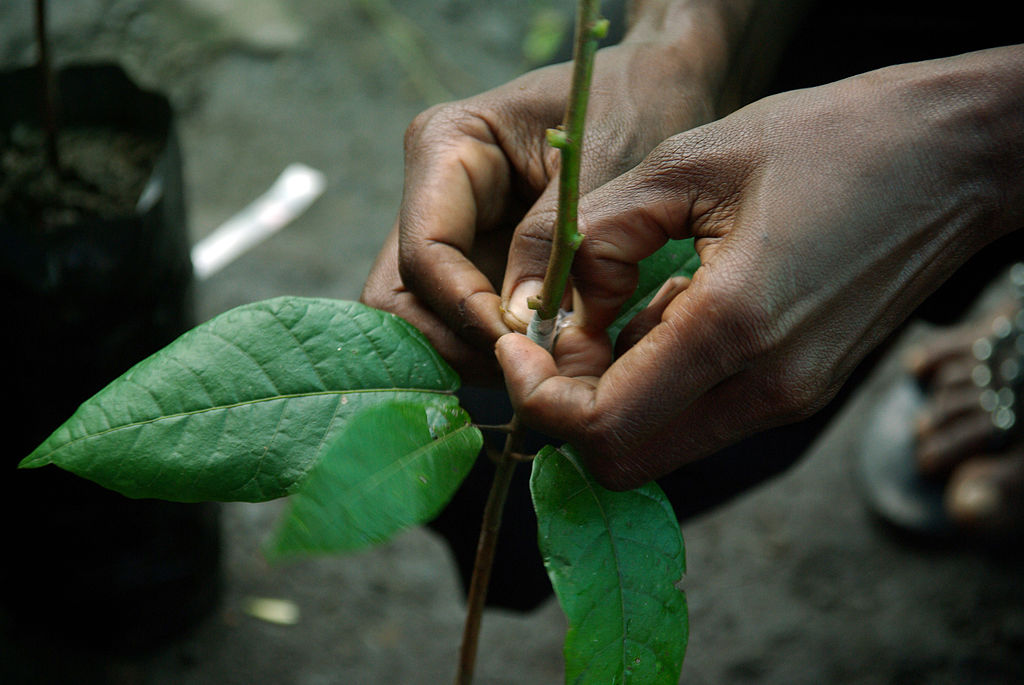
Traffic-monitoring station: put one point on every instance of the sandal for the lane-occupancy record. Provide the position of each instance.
(901, 485)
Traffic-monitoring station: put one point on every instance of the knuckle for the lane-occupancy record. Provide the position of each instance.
(601, 270)
(426, 121)
(468, 321)
(374, 297)
(531, 242)
(680, 154)
(416, 268)
(795, 392)
(667, 159)
(380, 291)
(540, 223)
(705, 160)
(444, 123)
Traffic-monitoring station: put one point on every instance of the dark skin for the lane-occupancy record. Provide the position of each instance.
(481, 182)
(985, 489)
(822, 217)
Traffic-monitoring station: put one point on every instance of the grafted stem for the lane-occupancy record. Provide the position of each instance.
(568, 138)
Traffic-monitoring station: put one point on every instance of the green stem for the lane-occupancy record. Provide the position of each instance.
(477, 596)
(569, 139)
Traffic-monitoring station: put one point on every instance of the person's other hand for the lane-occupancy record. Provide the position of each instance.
(822, 218)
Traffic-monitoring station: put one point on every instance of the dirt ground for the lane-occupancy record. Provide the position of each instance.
(792, 584)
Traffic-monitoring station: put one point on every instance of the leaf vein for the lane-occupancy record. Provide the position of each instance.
(227, 407)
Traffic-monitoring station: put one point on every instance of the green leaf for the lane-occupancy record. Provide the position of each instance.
(394, 466)
(615, 560)
(245, 405)
(675, 258)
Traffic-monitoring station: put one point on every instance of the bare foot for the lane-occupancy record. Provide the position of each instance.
(969, 431)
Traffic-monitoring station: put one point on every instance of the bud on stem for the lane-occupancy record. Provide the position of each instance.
(568, 139)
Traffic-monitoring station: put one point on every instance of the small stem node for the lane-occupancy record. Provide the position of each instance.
(557, 138)
(568, 138)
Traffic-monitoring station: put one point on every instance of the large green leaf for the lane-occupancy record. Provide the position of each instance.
(615, 560)
(393, 467)
(675, 258)
(245, 405)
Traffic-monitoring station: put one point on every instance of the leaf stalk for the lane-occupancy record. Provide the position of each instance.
(486, 546)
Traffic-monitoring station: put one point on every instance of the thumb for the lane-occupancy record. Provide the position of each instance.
(528, 256)
(622, 222)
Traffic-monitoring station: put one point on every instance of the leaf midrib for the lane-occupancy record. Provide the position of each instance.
(614, 551)
(227, 407)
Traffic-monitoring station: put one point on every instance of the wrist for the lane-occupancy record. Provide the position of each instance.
(691, 38)
(967, 110)
(728, 47)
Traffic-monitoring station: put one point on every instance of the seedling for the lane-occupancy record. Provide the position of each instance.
(350, 413)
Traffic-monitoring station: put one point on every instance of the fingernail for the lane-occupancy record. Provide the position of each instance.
(975, 499)
(517, 311)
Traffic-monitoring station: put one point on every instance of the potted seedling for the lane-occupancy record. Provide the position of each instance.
(350, 413)
(95, 267)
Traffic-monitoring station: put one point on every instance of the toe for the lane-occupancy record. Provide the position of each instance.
(942, 446)
(986, 495)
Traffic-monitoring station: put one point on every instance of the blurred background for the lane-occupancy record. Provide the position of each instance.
(791, 584)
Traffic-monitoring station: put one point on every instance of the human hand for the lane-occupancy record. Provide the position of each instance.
(479, 172)
(822, 218)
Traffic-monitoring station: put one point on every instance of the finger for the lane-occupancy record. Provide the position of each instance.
(643, 394)
(622, 448)
(531, 245)
(947, 407)
(456, 185)
(625, 221)
(528, 257)
(986, 494)
(548, 401)
(928, 358)
(611, 249)
(384, 290)
(651, 315)
(580, 353)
